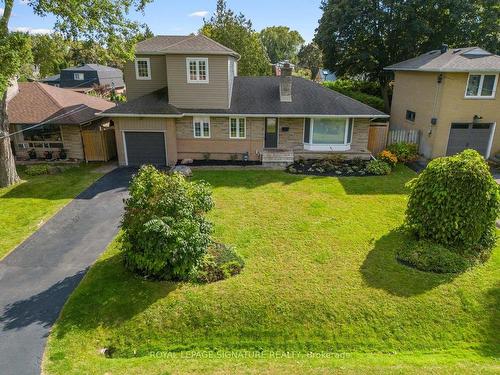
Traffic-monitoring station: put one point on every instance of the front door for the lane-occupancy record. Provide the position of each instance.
(271, 137)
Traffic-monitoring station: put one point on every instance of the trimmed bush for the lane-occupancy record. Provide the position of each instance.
(388, 157)
(219, 263)
(404, 151)
(431, 257)
(354, 91)
(37, 169)
(165, 230)
(378, 167)
(455, 202)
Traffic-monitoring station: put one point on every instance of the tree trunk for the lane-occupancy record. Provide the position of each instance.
(8, 172)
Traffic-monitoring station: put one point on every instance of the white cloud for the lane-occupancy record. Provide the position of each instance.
(199, 13)
(31, 30)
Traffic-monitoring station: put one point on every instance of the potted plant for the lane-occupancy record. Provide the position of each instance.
(32, 153)
(48, 155)
(63, 154)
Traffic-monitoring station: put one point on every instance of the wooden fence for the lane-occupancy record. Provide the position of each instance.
(403, 135)
(377, 136)
(99, 144)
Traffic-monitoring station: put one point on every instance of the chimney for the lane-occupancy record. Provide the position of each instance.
(286, 83)
(443, 48)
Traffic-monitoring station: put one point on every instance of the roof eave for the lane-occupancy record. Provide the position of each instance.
(162, 53)
(190, 114)
(446, 70)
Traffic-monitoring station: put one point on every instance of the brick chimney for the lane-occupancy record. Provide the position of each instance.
(286, 83)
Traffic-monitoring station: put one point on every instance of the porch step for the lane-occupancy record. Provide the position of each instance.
(277, 156)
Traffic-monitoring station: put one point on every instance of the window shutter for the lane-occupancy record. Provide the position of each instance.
(307, 130)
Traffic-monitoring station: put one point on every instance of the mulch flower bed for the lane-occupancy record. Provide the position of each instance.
(330, 167)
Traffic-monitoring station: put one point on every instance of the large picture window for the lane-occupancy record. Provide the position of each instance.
(328, 134)
(481, 86)
(45, 136)
(197, 69)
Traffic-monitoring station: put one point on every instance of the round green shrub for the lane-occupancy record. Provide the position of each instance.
(378, 167)
(37, 169)
(431, 257)
(165, 233)
(455, 202)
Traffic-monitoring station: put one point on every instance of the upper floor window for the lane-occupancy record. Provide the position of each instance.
(142, 68)
(78, 76)
(237, 128)
(410, 116)
(197, 69)
(481, 86)
(201, 127)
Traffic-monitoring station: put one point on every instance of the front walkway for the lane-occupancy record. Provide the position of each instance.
(40, 274)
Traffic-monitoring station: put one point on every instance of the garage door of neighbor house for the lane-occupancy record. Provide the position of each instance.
(469, 135)
(145, 148)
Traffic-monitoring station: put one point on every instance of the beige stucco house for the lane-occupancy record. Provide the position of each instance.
(186, 101)
(450, 96)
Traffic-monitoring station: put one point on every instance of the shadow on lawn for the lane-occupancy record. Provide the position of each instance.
(381, 270)
(491, 347)
(108, 296)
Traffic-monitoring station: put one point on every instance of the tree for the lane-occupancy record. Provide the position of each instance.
(49, 53)
(281, 43)
(310, 57)
(235, 32)
(102, 21)
(364, 36)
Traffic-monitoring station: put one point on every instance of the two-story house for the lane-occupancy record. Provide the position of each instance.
(186, 101)
(449, 95)
(84, 78)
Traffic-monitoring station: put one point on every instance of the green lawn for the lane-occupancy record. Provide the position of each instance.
(25, 206)
(320, 278)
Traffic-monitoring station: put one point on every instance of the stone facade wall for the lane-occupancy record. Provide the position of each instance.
(293, 139)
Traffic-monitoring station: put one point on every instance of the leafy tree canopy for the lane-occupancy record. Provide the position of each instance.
(281, 43)
(236, 32)
(360, 37)
(310, 57)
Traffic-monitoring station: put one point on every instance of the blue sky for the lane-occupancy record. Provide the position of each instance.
(186, 16)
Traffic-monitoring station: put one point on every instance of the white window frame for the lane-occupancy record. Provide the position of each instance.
(480, 88)
(238, 125)
(148, 61)
(197, 61)
(201, 120)
(346, 146)
(75, 75)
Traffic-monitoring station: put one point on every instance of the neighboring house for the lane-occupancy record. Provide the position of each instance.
(449, 95)
(84, 78)
(186, 101)
(61, 115)
(325, 75)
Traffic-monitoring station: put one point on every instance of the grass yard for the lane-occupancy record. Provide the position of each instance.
(321, 292)
(24, 207)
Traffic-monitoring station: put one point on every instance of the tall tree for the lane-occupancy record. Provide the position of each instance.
(281, 43)
(310, 57)
(364, 36)
(49, 53)
(103, 21)
(235, 31)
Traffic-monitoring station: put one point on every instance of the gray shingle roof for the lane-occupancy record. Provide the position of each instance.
(260, 96)
(469, 59)
(180, 44)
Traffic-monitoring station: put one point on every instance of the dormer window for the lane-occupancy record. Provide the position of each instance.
(78, 76)
(197, 69)
(481, 86)
(142, 68)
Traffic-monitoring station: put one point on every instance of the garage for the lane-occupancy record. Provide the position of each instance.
(476, 136)
(145, 148)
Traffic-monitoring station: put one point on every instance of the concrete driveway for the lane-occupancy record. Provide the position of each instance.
(40, 274)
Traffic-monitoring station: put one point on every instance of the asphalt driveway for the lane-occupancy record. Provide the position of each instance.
(40, 274)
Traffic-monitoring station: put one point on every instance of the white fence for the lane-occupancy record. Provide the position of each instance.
(403, 135)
